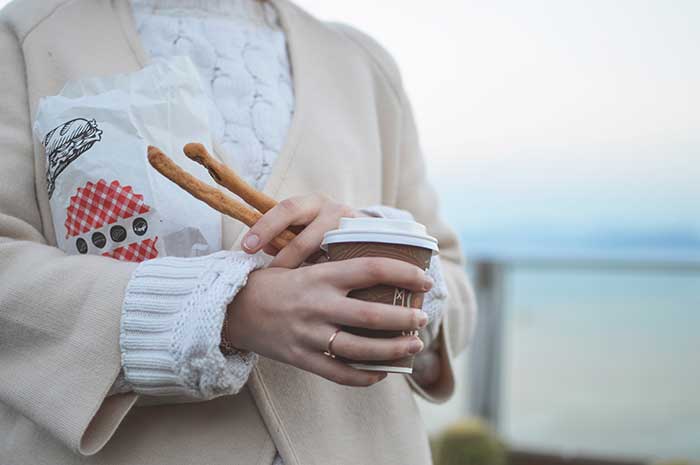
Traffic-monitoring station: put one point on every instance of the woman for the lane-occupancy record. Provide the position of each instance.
(88, 369)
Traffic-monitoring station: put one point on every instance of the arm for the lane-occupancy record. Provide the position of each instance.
(171, 326)
(59, 315)
(320, 214)
(415, 195)
(74, 322)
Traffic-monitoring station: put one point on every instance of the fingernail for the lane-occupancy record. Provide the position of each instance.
(251, 241)
(415, 346)
(422, 319)
(428, 283)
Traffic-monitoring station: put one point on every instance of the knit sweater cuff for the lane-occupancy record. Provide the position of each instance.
(434, 301)
(171, 323)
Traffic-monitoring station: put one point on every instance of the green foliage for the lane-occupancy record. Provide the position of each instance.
(469, 442)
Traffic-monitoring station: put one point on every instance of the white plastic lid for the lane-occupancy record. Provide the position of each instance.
(380, 230)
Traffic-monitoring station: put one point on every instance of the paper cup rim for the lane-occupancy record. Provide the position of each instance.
(339, 236)
(384, 368)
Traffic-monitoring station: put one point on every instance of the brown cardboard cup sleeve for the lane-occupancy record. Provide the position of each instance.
(378, 237)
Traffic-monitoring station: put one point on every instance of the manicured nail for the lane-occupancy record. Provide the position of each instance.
(251, 241)
(428, 283)
(422, 319)
(415, 346)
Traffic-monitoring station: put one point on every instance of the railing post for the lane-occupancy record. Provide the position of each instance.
(486, 352)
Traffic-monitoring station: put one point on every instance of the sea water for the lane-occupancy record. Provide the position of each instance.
(597, 360)
(602, 360)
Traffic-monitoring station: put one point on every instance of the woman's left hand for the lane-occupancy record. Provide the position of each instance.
(316, 212)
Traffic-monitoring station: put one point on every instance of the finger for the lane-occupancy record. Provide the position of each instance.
(339, 372)
(305, 244)
(373, 315)
(359, 273)
(291, 211)
(354, 347)
(270, 250)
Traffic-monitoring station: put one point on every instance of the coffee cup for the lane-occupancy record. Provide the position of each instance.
(402, 240)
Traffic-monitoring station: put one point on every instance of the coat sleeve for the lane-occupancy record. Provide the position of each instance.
(415, 194)
(59, 314)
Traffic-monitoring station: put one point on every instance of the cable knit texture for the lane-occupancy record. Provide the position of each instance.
(240, 51)
(171, 325)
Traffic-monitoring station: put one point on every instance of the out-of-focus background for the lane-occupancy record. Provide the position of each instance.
(564, 140)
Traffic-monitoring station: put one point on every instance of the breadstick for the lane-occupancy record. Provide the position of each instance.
(209, 195)
(228, 178)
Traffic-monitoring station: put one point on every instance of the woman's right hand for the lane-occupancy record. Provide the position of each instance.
(289, 315)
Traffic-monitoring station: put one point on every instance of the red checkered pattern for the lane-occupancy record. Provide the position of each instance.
(136, 252)
(98, 204)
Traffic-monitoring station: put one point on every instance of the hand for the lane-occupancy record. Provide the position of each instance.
(289, 314)
(316, 211)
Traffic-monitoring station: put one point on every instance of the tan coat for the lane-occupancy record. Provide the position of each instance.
(352, 137)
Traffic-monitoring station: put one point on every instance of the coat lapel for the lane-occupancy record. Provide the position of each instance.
(312, 420)
(91, 44)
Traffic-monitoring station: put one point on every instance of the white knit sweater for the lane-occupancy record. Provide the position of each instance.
(174, 307)
(240, 52)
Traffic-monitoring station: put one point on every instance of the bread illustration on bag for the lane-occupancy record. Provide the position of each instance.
(66, 143)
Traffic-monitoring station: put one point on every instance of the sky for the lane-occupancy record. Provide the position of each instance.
(558, 118)
(548, 118)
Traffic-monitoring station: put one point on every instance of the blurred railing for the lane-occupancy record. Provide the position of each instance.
(486, 353)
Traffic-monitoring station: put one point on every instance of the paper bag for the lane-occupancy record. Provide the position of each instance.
(104, 196)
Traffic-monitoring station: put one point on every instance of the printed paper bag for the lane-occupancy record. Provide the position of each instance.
(105, 198)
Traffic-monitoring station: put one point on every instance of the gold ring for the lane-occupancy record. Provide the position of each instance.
(329, 352)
